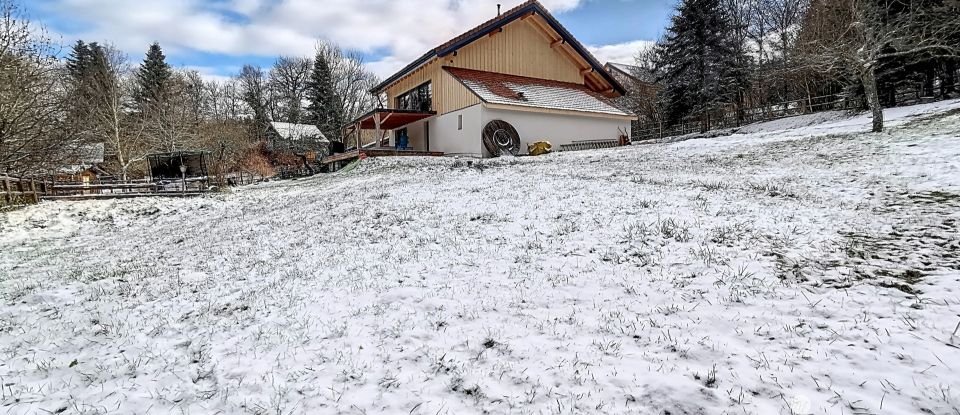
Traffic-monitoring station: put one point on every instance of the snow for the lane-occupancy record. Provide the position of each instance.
(297, 132)
(810, 270)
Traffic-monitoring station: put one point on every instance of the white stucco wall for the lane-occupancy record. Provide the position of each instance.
(558, 129)
(445, 135)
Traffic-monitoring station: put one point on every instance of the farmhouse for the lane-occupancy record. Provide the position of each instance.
(516, 79)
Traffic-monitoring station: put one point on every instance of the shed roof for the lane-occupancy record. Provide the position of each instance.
(498, 88)
(295, 132)
(635, 72)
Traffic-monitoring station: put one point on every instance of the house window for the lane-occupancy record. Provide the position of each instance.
(460, 122)
(417, 99)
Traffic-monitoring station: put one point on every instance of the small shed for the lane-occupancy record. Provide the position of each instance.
(166, 166)
(299, 139)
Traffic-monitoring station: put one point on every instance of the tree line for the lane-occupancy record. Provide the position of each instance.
(53, 108)
(728, 58)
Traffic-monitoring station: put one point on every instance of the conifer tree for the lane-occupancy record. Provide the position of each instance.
(324, 106)
(702, 66)
(78, 61)
(152, 79)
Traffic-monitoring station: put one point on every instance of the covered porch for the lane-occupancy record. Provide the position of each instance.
(387, 127)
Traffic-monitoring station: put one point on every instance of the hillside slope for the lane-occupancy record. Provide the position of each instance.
(811, 270)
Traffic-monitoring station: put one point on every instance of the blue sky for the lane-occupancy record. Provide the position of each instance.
(217, 37)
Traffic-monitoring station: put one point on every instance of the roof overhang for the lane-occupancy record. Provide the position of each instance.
(529, 9)
(559, 111)
(389, 119)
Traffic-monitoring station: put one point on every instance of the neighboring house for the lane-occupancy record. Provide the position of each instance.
(636, 80)
(641, 97)
(85, 165)
(300, 139)
(522, 68)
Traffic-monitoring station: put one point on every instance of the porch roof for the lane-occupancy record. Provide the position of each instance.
(389, 118)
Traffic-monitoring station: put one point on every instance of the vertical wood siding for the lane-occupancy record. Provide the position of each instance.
(520, 49)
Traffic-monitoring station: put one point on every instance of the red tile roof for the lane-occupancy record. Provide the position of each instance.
(499, 88)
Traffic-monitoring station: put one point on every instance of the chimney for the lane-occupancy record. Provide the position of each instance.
(498, 9)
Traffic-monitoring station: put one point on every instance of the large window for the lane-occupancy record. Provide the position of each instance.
(417, 99)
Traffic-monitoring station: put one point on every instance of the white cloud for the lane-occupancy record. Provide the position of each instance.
(403, 29)
(621, 52)
(209, 73)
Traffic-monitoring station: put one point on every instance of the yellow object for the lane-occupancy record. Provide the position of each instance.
(539, 148)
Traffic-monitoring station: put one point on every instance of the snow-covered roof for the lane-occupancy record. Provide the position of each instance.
(84, 156)
(91, 153)
(295, 132)
(635, 72)
(498, 88)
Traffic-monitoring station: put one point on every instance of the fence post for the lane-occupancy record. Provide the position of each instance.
(33, 189)
(6, 190)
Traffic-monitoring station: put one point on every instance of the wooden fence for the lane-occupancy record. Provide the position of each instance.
(127, 189)
(731, 118)
(18, 191)
(15, 191)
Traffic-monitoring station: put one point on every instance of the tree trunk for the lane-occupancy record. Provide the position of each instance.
(869, 80)
(948, 85)
(928, 81)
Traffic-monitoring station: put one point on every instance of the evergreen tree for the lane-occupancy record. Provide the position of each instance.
(703, 67)
(88, 68)
(78, 68)
(152, 79)
(324, 106)
(78, 62)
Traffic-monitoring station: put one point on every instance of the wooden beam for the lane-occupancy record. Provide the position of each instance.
(584, 72)
(527, 16)
(577, 60)
(543, 31)
(495, 32)
(556, 43)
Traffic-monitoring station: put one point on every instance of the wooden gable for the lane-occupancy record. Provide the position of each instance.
(525, 41)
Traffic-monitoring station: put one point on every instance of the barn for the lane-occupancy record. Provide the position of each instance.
(518, 78)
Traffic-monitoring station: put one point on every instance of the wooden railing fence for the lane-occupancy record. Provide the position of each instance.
(19, 191)
(16, 191)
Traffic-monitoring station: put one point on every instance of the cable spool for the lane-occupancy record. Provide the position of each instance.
(499, 137)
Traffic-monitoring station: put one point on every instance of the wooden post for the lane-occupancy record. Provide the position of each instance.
(376, 120)
(33, 189)
(6, 190)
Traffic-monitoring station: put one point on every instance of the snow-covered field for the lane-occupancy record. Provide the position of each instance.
(812, 270)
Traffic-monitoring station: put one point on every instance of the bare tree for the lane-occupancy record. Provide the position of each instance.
(111, 121)
(643, 94)
(851, 37)
(174, 124)
(30, 103)
(288, 79)
(351, 80)
(255, 91)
